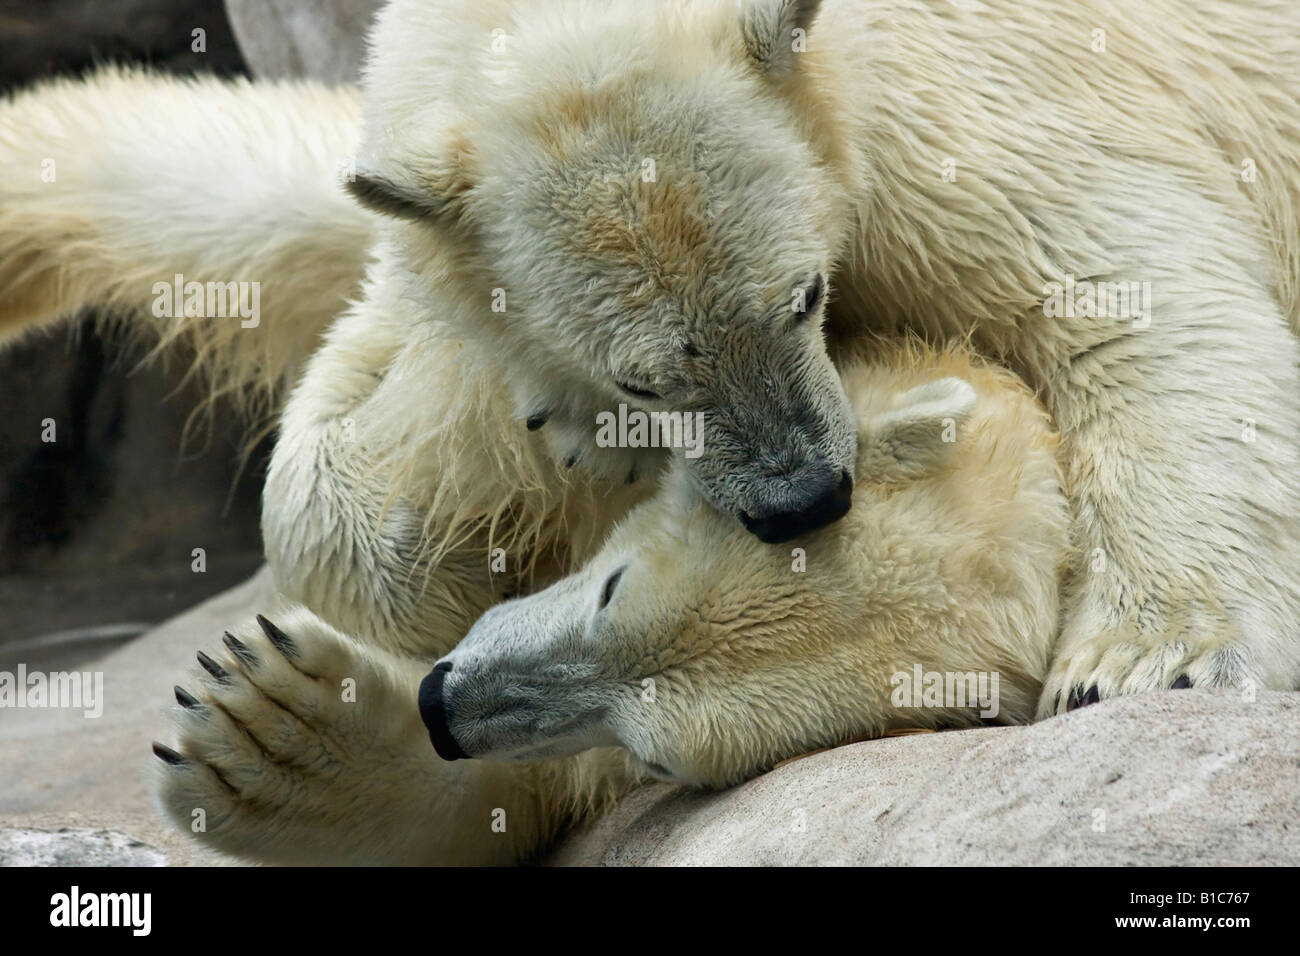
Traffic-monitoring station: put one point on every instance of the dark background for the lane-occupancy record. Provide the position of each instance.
(97, 529)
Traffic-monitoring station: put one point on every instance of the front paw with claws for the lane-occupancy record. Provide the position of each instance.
(284, 733)
(1087, 672)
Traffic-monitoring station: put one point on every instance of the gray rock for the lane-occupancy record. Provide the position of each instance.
(67, 36)
(322, 39)
(75, 846)
(1179, 778)
(59, 769)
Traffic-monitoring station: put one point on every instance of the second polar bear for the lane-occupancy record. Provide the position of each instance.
(710, 657)
(685, 650)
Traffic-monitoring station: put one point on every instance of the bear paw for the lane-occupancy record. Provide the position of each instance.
(291, 743)
(572, 442)
(1100, 669)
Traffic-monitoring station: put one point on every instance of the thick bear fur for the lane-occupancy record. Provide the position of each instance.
(922, 167)
(714, 657)
(949, 166)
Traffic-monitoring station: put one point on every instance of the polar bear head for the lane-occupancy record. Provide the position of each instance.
(635, 198)
(710, 656)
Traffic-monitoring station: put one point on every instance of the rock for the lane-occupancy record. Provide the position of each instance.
(61, 769)
(1177, 778)
(323, 39)
(100, 526)
(68, 36)
(75, 846)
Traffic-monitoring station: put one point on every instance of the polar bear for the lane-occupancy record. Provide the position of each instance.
(648, 187)
(684, 650)
(619, 201)
(654, 202)
(566, 205)
(710, 657)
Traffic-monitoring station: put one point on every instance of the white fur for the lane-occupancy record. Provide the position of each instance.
(403, 459)
(154, 176)
(1179, 433)
(711, 656)
(953, 566)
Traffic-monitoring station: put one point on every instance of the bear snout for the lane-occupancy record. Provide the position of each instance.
(437, 715)
(823, 502)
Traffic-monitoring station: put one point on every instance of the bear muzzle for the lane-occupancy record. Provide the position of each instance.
(824, 503)
(436, 715)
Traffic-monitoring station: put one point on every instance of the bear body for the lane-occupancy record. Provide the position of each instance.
(646, 184)
(712, 657)
(569, 205)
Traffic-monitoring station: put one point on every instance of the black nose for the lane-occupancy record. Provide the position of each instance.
(828, 504)
(436, 716)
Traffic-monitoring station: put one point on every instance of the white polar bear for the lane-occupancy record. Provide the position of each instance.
(701, 654)
(649, 187)
(588, 204)
(710, 657)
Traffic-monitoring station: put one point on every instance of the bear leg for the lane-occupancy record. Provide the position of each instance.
(299, 745)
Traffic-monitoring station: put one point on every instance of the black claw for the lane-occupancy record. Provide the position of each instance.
(1056, 703)
(212, 667)
(537, 419)
(282, 641)
(571, 461)
(186, 700)
(1183, 683)
(632, 476)
(239, 648)
(167, 755)
(1080, 698)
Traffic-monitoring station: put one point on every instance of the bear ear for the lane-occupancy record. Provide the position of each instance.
(918, 433)
(415, 185)
(388, 198)
(775, 32)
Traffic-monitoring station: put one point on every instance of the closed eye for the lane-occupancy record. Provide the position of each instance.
(607, 592)
(637, 392)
